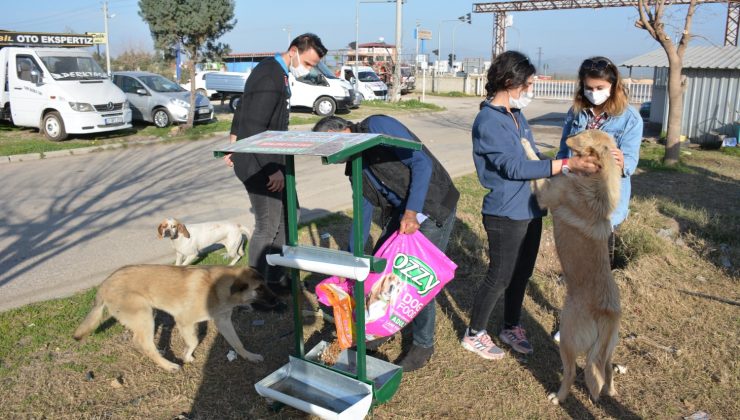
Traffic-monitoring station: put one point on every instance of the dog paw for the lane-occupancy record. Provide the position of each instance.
(172, 368)
(254, 358)
(553, 398)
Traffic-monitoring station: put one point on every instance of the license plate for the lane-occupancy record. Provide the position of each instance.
(203, 111)
(113, 120)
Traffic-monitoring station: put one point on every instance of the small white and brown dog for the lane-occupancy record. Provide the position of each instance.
(189, 241)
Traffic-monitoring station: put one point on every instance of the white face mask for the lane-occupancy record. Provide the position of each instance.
(522, 101)
(597, 97)
(300, 70)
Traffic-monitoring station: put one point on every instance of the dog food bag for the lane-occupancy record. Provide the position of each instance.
(416, 271)
(342, 304)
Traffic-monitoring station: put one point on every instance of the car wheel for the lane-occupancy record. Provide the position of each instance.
(325, 106)
(234, 103)
(54, 127)
(161, 118)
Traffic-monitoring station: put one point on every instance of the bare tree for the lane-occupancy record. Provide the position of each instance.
(652, 20)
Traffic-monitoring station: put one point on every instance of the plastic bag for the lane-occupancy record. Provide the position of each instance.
(416, 271)
(343, 306)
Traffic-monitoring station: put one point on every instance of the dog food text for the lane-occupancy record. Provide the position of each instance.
(413, 271)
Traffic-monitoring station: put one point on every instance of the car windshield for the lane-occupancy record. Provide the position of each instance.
(158, 83)
(73, 68)
(405, 72)
(326, 71)
(368, 76)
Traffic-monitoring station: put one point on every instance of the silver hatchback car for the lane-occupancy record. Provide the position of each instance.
(158, 100)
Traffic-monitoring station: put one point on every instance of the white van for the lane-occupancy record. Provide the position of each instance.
(366, 82)
(319, 90)
(59, 91)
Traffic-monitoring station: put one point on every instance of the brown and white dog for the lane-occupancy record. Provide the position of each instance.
(580, 207)
(189, 241)
(190, 294)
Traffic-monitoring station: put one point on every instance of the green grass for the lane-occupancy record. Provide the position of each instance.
(731, 151)
(453, 94)
(411, 104)
(17, 140)
(46, 326)
(651, 158)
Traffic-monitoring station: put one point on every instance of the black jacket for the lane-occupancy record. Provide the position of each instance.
(441, 196)
(265, 105)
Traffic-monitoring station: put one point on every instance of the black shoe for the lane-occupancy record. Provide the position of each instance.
(416, 358)
(373, 345)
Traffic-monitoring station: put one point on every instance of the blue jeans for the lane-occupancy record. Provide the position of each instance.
(422, 327)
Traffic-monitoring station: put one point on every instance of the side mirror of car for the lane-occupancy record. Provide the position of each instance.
(322, 80)
(36, 77)
(353, 80)
(141, 91)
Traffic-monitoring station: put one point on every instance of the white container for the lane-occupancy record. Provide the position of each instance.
(317, 390)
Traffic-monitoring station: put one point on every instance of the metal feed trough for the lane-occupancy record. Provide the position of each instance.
(356, 381)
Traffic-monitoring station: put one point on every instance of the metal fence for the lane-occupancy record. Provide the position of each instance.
(564, 89)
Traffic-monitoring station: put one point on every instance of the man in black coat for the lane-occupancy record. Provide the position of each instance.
(265, 105)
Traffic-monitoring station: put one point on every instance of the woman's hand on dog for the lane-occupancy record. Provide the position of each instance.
(409, 224)
(618, 157)
(584, 165)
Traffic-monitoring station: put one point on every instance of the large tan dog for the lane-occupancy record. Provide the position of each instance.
(580, 207)
(191, 294)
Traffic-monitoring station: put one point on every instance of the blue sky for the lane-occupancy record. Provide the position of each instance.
(565, 36)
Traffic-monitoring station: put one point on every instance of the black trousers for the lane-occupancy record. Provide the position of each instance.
(512, 250)
(270, 216)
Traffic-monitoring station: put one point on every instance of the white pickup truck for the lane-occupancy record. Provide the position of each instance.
(60, 91)
(320, 90)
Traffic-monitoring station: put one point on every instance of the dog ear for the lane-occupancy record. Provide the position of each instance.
(160, 229)
(239, 285)
(182, 230)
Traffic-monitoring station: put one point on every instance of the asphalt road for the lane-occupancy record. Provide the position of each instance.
(68, 222)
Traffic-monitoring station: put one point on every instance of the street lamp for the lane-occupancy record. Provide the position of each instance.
(287, 29)
(462, 19)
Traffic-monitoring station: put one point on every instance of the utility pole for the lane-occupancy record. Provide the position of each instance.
(397, 72)
(357, 33)
(416, 55)
(107, 37)
(539, 58)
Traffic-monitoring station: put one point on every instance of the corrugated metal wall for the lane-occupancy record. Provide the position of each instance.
(711, 102)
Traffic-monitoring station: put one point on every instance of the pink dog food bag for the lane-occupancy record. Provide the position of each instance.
(416, 271)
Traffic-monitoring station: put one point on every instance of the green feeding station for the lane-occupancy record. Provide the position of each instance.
(356, 381)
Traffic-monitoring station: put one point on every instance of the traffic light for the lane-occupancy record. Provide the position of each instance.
(449, 60)
(436, 52)
(466, 18)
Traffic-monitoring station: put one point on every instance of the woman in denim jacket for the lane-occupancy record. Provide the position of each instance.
(601, 102)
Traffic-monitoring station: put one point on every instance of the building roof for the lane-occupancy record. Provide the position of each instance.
(704, 57)
(377, 45)
(248, 55)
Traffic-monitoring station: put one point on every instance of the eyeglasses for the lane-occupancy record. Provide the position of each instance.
(598, 65)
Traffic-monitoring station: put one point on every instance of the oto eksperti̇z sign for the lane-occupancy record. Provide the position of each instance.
(38, 39)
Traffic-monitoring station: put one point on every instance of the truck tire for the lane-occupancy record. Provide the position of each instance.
(53, 127)
(161, 118)
(325, 106)
(234, 103)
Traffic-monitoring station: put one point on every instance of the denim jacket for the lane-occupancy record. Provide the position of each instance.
(502, 165)
(627, 132)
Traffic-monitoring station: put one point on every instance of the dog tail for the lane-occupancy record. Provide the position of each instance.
(92, 319)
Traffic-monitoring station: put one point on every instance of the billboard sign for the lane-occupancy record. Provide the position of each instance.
(38, 39)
